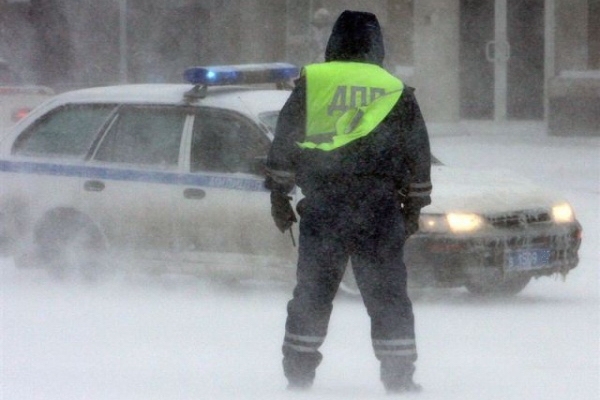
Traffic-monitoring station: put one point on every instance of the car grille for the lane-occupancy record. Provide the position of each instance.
(519, 220)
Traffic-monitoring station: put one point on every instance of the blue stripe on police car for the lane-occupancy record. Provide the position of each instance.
(117, 174)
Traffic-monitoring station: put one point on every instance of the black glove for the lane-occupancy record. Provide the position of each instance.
(282, 211)
(411, 221)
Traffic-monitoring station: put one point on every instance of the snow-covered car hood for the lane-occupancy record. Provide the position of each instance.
(489, 192)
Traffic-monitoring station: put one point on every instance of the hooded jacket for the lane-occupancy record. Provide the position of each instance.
(395, 156)
(356, 36)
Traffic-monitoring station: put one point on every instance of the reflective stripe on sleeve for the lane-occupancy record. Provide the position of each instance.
(419, 189)
(283, 178)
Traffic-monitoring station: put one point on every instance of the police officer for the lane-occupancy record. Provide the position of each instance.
(352, 137)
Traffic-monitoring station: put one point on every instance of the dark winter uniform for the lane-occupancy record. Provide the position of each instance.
(362, 161)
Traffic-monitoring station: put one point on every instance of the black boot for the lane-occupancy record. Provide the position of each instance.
(406, 385)
(299, 385)
(397, 377)
(299, 368)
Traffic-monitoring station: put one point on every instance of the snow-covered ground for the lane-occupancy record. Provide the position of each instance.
(175, 337)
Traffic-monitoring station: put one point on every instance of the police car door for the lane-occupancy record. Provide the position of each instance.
(133, 188)
(227, 221)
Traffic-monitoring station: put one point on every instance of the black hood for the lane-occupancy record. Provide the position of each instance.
(356, 36)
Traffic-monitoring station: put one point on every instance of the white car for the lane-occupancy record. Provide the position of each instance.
(491, 231)
(170, 178)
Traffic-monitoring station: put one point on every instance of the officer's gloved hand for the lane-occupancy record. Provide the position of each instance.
(282, 211)
(411, 220)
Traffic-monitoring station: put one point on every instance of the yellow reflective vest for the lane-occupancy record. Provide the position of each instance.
(346, 101)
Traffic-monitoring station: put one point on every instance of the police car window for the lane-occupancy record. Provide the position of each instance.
(67, 132)
(143, 136)
(226, 143)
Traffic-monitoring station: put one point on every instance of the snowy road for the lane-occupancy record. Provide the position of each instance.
(179, 338)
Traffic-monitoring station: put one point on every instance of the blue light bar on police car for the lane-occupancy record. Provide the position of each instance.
(241, 74)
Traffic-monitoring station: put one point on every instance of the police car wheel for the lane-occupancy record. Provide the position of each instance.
(68, 244)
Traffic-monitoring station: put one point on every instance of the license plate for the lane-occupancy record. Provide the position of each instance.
(525, 260)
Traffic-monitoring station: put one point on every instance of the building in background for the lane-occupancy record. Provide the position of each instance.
(468, 59)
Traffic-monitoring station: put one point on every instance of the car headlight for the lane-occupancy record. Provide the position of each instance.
(464, 222)
(452, 222)
(563, 213)
(433, 223)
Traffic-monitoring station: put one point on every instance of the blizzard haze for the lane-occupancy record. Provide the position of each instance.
(176, 337)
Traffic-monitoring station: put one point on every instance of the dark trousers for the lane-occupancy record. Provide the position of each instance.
(369, 231)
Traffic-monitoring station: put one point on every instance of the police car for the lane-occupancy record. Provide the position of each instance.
(169, 178)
